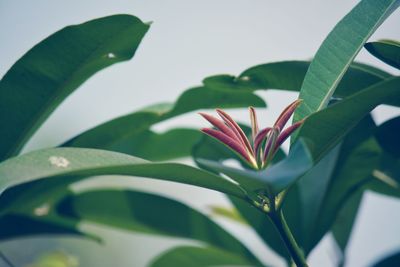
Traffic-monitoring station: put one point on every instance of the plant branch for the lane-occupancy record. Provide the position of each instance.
(294, 250)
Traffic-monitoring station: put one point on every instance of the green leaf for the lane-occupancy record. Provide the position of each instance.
(338, 51)
(39, 81)
(152, 214)
(325, 190)
(326, 128)
(289, 75)
(388, 138)
(389, 261)
(227, 213)
(274, 179)
(58, 162)
(343, 225)
(198, 257)
(120, 134)
(29, 210)
(172, 144)
(386, 50)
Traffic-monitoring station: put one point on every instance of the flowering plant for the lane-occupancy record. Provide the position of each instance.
(292, 201)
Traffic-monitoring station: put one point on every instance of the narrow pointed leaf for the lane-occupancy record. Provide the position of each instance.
(39, 81)
(386, 50)
(338, 51)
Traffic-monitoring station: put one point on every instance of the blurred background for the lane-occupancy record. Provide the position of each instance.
(188, 41)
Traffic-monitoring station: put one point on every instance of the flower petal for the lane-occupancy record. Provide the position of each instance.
(260, 138)
(236, 128)
(254, 123)
(286, 114)
(219, 124)
(286, 133)
(270, 145)
(230, 142)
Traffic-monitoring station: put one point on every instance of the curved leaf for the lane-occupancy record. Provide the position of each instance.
(337, 52)
(118, 134)
(39, 81)
(327, 127)
(198, 257)
(386, 50)
(152, 214)
(28, 210)
(58, 162)
(289, 75)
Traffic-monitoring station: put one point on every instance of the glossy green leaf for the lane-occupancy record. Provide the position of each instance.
(29, 210)
(58, 162)
(343, 225)
(338, 51)
(172, 144)
(39, 81)
(152, 214)
(289, 75)
(386, 50)
(326, 128)
(386, 136)
(333, 181)
(390, 261)
(120, 134)
(275, 178)
(198, 257)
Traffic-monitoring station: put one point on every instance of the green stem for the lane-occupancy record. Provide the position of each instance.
(287, 237)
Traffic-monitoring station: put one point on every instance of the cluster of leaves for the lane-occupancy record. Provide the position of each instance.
(349, 153)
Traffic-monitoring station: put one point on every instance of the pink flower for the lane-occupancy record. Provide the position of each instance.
(264, 143)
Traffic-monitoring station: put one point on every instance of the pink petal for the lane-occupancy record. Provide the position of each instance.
(236, 128)
(286, 114)
(260, 138)
(286, 133)
(219, 124)
(270, 145)
(230, 142)
(254, 123)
